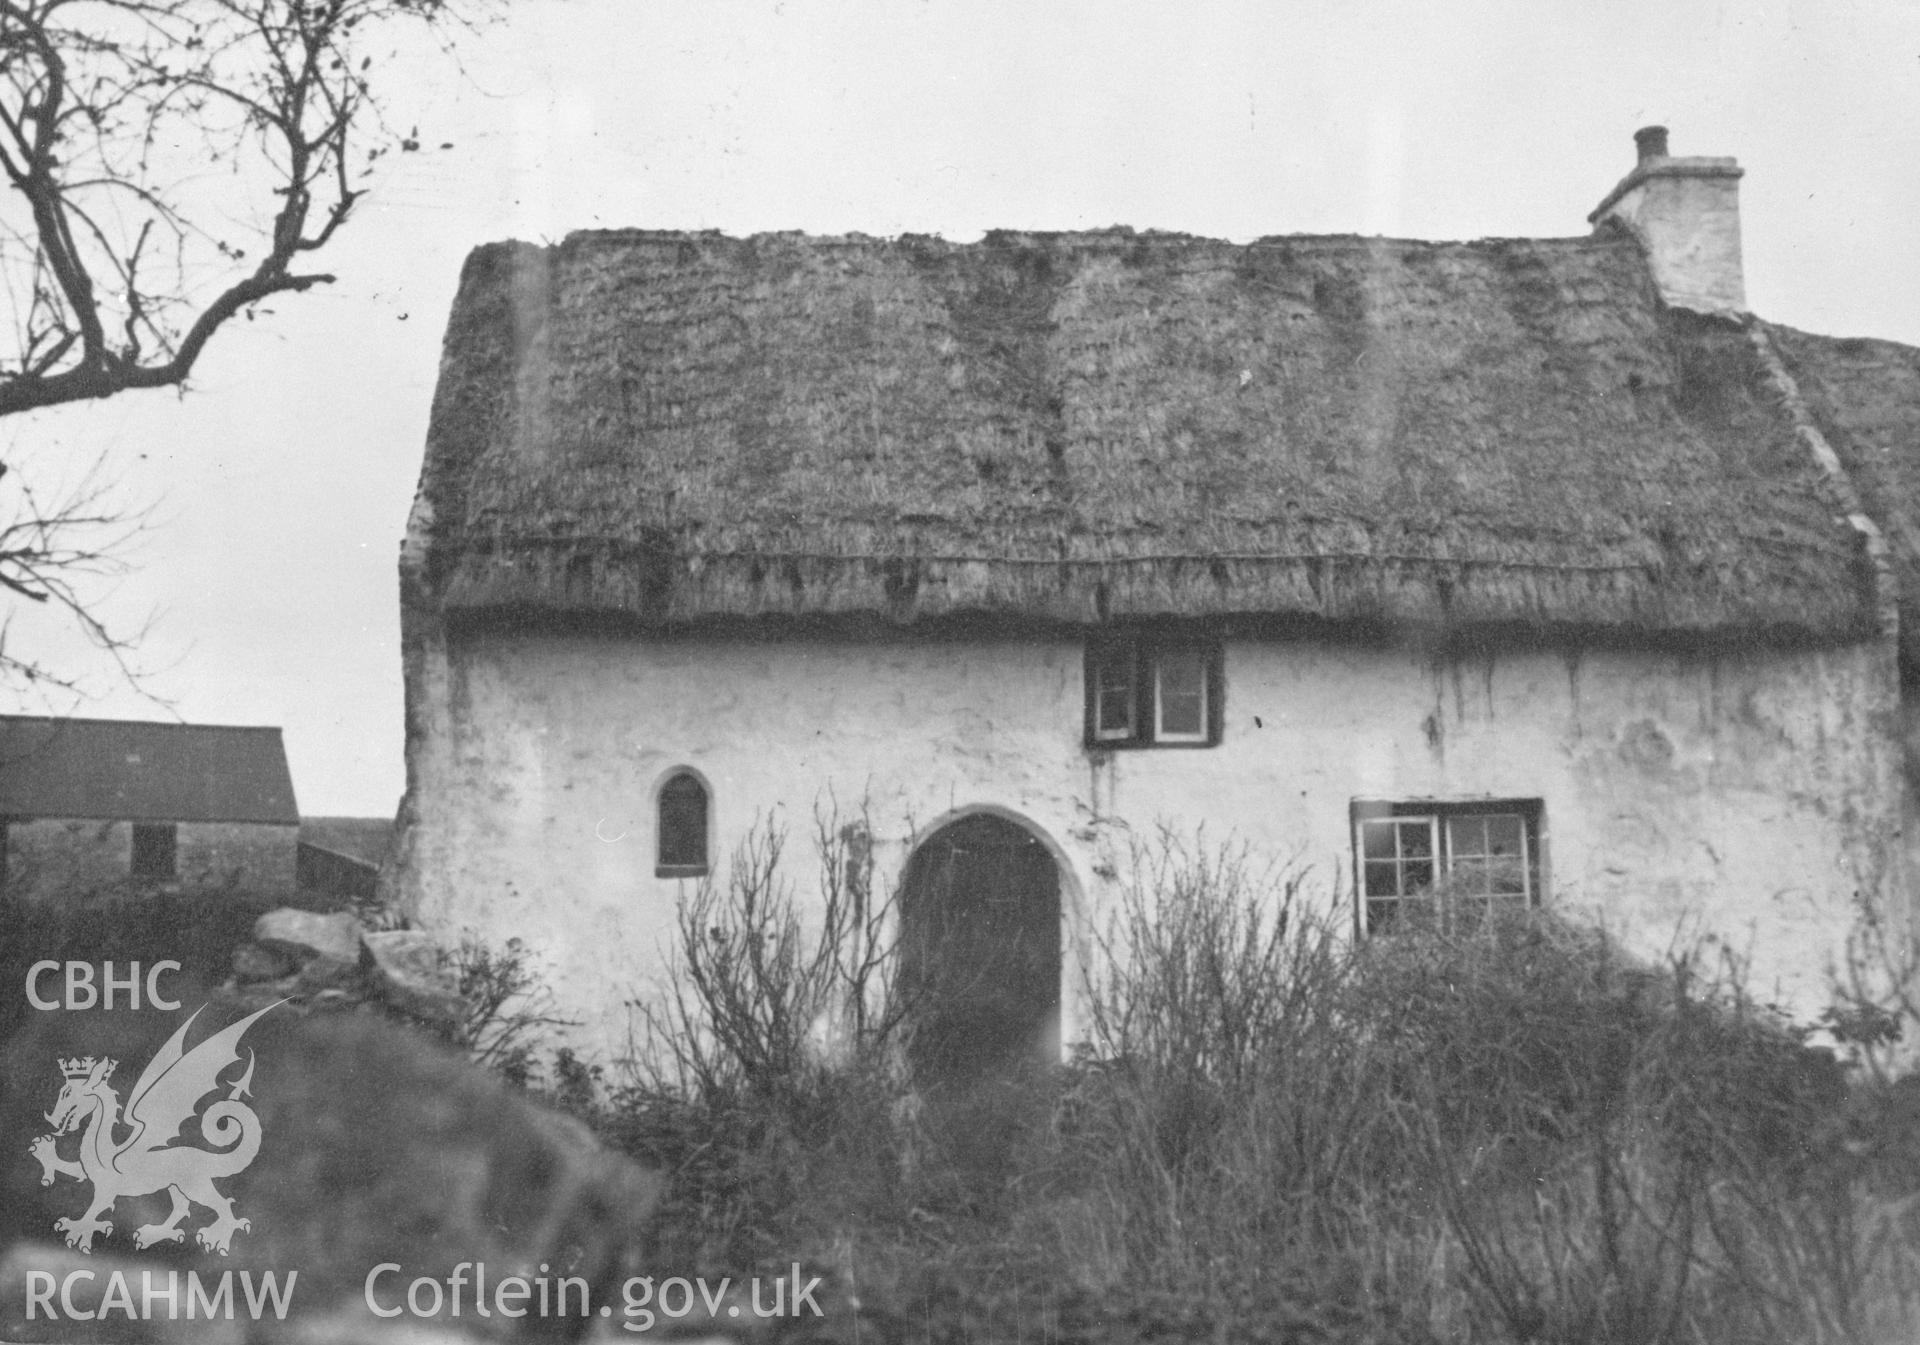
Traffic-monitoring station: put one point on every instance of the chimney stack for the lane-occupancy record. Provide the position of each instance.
(1686, 211)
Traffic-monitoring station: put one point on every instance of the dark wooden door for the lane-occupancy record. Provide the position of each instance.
(981, 958)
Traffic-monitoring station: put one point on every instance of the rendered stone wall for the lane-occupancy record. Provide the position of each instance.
(1751, 797)
(1687, 212)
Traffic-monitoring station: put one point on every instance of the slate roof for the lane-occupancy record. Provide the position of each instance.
(139, 771)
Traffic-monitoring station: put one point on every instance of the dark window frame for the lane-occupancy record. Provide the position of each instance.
(154, 852)
(677, 862)
(1142, 655)
(1374, 912)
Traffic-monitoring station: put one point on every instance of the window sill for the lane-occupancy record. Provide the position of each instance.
(1149, 745)
(680, 871)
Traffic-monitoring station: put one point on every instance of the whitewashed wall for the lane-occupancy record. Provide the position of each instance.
(1745, 796)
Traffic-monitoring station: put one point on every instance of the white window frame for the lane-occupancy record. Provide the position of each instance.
(1161, 734)
(1141, 657)
(1128, 657)
(1437, 814)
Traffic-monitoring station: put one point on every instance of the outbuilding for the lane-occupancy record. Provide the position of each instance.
(88, 805)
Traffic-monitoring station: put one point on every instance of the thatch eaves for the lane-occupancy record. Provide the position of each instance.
(1086, 428)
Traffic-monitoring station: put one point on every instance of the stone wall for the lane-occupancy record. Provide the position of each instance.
(52, 857)
(46, 857)
(237, 854)
(1751, 796)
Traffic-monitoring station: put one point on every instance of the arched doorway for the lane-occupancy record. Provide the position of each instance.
(980, 958)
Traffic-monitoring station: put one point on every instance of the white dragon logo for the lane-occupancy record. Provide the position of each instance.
(146, 1160)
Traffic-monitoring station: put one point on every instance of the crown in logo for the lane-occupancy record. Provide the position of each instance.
(79, 1067)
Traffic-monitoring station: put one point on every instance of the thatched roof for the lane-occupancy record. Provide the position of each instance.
(1089, 427)
(1865, 397)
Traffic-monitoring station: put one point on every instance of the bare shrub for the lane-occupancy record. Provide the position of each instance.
(760, 999)
(1692, 1184)
(1234, 1116)
(1196, 963)
(510, 1009)
(1875, 1013)
(772, 1054)
(1490, 1126)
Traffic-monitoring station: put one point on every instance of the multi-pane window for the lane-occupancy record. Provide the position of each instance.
(682, 828)
(1153, 692)
(1445, 862)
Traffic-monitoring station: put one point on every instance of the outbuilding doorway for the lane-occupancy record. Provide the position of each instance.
(980, 958)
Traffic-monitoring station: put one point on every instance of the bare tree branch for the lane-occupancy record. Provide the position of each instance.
(50, 550)
(106, 109)
(120, 257)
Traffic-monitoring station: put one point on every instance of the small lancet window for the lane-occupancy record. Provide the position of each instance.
(682, 828)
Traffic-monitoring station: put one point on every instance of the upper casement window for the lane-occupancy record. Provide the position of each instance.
(1444, 862)
(1153, 692)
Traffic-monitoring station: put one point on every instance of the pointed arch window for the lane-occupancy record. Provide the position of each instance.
(681, 831)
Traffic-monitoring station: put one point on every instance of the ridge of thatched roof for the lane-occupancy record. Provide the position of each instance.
(1092, 427)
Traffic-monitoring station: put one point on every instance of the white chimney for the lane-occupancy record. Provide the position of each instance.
(1687, 214)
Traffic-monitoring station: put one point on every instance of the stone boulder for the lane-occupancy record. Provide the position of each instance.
(304, 936)
(257, 962)
(300, 954)
(88, 1280)
(334, 961)
(377, 1145)
(413, 974)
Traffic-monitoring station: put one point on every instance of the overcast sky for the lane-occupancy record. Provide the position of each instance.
(279, 485)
